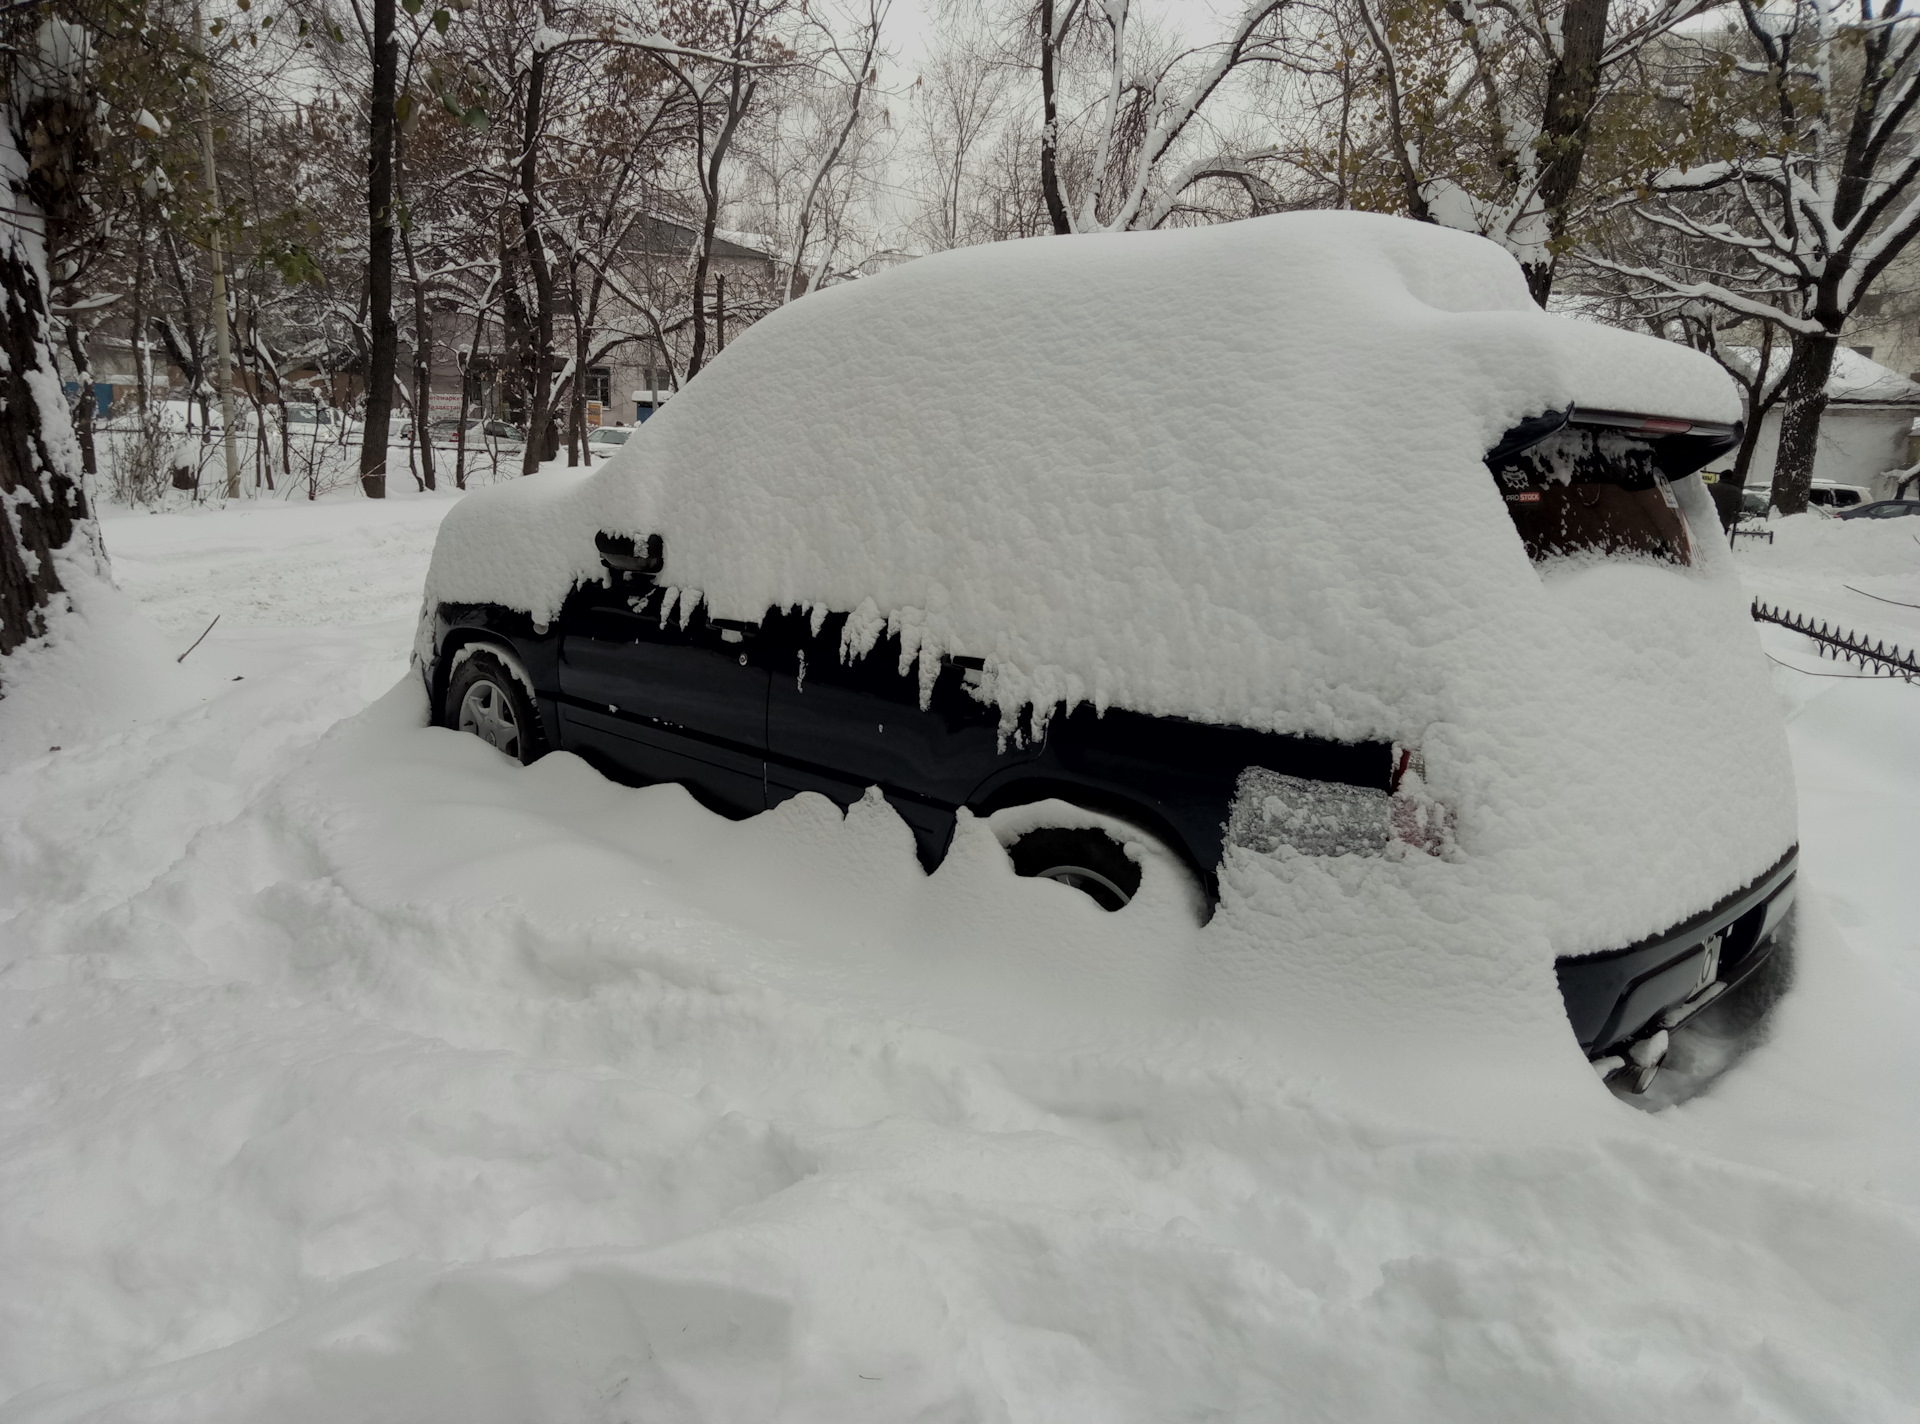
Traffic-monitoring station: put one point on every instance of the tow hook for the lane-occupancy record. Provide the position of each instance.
(1643, 1058)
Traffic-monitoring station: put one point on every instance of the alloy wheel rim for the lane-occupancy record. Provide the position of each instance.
(486, 713)
(1082, 879)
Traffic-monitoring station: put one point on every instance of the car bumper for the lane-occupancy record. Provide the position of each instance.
(1614, 999)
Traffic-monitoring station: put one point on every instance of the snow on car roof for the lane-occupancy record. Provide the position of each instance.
(1231, 473)
(1191, 472)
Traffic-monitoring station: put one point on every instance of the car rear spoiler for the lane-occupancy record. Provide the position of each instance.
(1679, 446)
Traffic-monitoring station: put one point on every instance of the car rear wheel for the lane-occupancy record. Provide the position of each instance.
(487, 700)
(1085, 858)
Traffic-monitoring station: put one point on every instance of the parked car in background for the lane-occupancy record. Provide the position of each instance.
(447, 432)
(1825, 497)
(480, 434)
(1829, 497)
(1295, 607)
(608, 438)
(306, 415)
(1883, 509)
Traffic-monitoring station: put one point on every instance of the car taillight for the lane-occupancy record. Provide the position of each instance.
(1272, 810)
(1419, 819)
(1659, 425)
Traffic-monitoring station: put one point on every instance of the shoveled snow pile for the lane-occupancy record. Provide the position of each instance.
(1237, 474)
(349, 1070)
(1814, 562)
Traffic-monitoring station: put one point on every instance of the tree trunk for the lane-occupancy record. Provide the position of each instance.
(185, 348)
(1050, 127)
(460, 435)
(1749, 441)
(88, 400)
(1803, 402)
(517, 334)
(541, 437)
(217, 302)
(138, 324)
(1573, 88)
(422, 365)
(1758, 404)
(466, 396)
(42, 505)
(280, 404)
(250, 357)
(739, 96)
(577, 386)
(385, 332)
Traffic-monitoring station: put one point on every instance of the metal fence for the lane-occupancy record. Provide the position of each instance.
(1877, 657)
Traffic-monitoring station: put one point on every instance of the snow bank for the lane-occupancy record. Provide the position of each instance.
(1819, 546)
(99, 670)
(430, 1086)
(357, 1072)
(1235, 474)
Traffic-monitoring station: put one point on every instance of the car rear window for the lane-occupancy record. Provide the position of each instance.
(1593, 492)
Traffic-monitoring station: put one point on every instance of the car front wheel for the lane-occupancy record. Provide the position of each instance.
(484, 698)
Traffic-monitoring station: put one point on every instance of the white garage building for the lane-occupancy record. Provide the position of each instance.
(1864, 434)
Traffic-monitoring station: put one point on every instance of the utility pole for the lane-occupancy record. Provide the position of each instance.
(222, 345)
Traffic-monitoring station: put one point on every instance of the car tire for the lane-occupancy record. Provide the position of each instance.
(489, 701)
(1083, 857)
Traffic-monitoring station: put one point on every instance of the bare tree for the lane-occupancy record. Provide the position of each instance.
(847, 65)
(1145, 141)
(960, 107)
(1822, 192)
(1487, 112)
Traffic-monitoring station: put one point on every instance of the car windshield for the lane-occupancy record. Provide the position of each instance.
(1585, 491)
(610, 437)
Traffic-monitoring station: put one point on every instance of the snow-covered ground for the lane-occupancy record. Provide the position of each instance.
(348, 1070)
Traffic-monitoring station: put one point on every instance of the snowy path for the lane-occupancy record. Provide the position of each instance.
(350, 1071)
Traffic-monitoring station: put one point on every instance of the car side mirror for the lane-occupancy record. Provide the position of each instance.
(623, 555)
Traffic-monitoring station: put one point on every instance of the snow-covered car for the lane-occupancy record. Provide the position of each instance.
(608, 438)
(480, 434)
(1307, 538)
(306, 415)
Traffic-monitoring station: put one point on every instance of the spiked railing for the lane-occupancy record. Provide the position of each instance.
(1876, 657)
